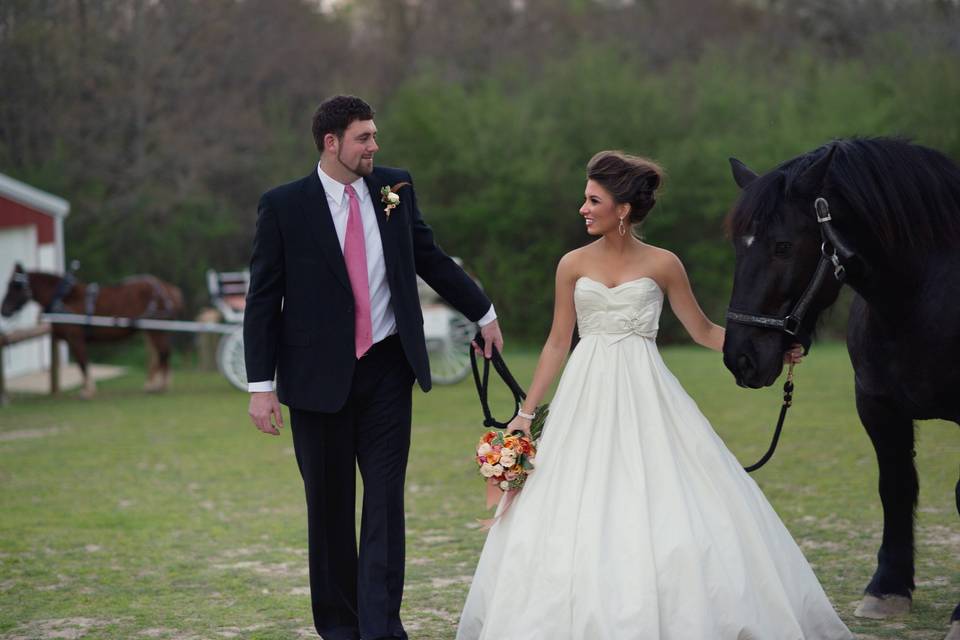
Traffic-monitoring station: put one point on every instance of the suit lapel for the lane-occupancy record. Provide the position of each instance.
(374, 185)
(320, 221)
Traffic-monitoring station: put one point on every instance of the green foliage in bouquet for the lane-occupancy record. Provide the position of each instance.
(536, 427)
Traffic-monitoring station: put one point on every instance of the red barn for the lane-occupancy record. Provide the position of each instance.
(31, 232)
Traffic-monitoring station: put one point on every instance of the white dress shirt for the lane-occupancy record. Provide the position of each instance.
(384, 321)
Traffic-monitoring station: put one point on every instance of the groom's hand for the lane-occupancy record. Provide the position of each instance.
(491, 338)
(264, 406)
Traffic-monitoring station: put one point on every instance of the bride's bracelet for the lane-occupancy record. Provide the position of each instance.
(528, 416)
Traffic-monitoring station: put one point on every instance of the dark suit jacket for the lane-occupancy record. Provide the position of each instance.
(298, 320)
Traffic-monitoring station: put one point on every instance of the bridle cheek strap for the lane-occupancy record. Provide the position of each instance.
(790, 323)
(834, 254)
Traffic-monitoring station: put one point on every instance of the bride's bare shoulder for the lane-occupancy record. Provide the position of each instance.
(572, 263)
(665, 264)
(661, 257)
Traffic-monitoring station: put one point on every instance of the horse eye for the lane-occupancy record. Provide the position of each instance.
(782, 249)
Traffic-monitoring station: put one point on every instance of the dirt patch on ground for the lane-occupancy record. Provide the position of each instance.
(27, 434)
(939, 536)
(809, 544)
(56, 629)
(440, 583)
(272, 569)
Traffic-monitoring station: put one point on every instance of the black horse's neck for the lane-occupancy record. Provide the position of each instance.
(889, 284)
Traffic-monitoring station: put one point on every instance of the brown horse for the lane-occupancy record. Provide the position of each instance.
(141, 296)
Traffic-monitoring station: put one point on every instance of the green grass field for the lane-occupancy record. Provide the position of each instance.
(171, 517)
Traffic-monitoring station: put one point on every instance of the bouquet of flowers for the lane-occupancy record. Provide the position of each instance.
(507, 459)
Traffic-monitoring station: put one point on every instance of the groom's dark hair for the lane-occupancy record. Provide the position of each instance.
(335, 114)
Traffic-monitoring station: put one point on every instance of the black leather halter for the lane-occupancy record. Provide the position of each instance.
(833, 253)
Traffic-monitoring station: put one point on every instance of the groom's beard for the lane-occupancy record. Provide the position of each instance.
(361, 168)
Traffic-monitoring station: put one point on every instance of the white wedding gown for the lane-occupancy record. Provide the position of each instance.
(638, 523)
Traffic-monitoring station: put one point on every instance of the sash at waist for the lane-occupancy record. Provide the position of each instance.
(617, 326)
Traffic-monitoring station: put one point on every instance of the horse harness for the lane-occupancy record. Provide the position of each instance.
(64, 288)
(159, 301)
(833, 253)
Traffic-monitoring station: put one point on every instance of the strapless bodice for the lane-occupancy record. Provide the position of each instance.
(628, 309)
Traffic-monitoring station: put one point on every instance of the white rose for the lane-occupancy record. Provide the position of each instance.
(504, 485)
(393, 198)
(508, 458)
(487, 470)
(497, 469)
(484, 449)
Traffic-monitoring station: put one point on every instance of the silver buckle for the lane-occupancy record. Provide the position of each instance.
(822, 208)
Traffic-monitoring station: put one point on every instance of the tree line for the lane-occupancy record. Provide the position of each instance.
(162, 122)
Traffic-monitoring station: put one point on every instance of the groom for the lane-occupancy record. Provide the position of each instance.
(333, 311)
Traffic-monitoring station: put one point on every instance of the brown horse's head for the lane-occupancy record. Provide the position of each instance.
(18, 292)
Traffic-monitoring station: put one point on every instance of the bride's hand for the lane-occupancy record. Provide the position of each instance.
(794, 355)
(520, 424)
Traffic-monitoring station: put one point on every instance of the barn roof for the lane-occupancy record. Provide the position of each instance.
(32, 197)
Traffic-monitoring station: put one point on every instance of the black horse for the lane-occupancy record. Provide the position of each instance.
(882, 216)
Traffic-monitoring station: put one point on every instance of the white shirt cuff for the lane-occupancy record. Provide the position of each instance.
(266, 385)
(489, 317)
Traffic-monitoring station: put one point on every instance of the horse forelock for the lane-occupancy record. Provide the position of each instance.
(758, 205)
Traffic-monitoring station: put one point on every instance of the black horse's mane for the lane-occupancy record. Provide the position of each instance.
(906, 194)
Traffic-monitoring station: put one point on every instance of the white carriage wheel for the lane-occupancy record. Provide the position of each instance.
(230, 359)
(448, 334)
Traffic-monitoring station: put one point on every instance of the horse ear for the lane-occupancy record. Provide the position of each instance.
(810, 181)
(742, 174)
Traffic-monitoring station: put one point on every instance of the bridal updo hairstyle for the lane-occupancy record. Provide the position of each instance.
(629, 179)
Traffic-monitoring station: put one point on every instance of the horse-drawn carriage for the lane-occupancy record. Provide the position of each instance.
(447, 331)
(85, 312)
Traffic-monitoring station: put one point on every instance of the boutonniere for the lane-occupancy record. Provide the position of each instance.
(390, 197)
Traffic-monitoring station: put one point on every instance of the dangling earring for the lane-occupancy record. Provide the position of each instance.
(622, 229)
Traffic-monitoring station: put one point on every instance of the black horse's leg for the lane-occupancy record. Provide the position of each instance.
(891, 431)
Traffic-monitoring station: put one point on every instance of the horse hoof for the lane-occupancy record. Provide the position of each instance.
(885, 607)
(954, 631)
(87, 394)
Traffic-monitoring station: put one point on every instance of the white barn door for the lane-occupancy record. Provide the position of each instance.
(19, 244)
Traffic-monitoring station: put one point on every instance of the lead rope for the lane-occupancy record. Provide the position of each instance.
(787, 403)
(483, 384)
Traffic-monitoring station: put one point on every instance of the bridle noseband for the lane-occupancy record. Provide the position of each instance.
(834, 253)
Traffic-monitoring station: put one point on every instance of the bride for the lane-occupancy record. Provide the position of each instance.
(638, 523)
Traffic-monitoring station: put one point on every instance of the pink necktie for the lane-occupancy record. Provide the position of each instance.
(355, 255)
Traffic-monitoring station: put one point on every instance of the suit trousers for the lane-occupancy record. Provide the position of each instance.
(358, 595)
